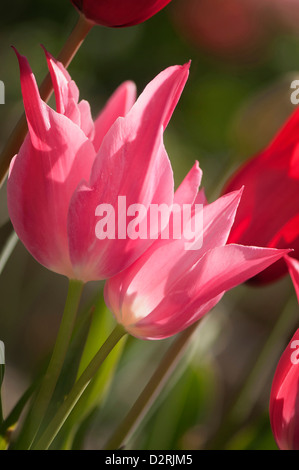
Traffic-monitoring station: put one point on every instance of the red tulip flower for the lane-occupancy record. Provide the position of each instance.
(69, 165)
(284, 399)
(170, 287)
(269, 210)
(119, 13)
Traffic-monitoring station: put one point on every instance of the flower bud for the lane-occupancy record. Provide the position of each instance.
(119, 13)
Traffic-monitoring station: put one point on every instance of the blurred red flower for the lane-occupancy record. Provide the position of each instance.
(235, 30)
(119, 13)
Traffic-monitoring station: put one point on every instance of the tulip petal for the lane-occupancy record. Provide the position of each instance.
(201, 198)
(97, 258)
(293, 265)
(133, 146)
(218, 271)
(86, 122)
(154, 258)
(188, 189)
(67, 97)
(61, 80)
(118, 105)
(54, 157)
(135, 139)
(169, 259)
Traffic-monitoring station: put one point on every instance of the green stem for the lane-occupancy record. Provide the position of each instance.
(13, 417)
(66, 55)
(7, 250)
(67, 406)
(50, 379)
(151, 390)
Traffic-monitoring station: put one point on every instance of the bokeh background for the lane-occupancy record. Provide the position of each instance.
(245, 54)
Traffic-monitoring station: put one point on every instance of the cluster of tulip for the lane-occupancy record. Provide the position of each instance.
(69, 163)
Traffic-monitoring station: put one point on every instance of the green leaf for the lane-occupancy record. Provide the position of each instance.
(66, 379)
(8, 249)
(186, 406)
(101, 324)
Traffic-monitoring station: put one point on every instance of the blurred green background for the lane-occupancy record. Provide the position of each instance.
(244, 56)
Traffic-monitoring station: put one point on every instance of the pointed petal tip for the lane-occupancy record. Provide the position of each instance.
(128, 84)
(235, 195)
(180, 69)
(23, 61)
(277, 252)
(14, 48)
(187, 191)
(47, 53)
(186, 67)
(19, 56)
(48, 56)
(131, 91)
(196, 168)
(241, 190)
(195, 172)
(238, 193)
(286, 251)
(24, 66)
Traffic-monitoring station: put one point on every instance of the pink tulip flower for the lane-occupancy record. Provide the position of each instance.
(284, 399)
(119, 13)
(170, 287)
(68, 165)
